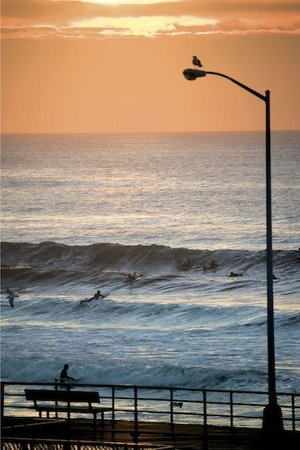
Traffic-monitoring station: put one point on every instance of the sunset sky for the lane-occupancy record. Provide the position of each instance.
(113, 66)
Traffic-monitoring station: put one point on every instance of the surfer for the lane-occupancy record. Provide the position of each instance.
(236, 274)
(64, 374)
(95, 297)
(131, 276)
(11, 296)
(212, 266)
(186, 265)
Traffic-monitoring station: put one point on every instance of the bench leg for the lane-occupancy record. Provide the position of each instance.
(102, 425)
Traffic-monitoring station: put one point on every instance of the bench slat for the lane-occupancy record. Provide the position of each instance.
(62, 396)
(75, 409)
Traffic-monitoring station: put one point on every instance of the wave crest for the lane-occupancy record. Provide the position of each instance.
(38, 263)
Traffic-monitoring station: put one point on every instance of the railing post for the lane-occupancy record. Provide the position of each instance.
(113, 406)
(293, 413)
(69, 415)
(231, 410)
(136, 418)
(172, 408)
(2, 401)
(56, 389)
(25, 446)
(205, 433)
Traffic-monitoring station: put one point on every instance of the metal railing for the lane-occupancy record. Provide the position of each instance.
(169, 405)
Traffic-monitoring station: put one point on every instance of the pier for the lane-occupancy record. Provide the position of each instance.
(141, 417)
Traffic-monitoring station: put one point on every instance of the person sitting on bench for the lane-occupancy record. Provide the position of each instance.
(64, 374)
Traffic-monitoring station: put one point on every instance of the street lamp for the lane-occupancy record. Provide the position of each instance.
(272, 417)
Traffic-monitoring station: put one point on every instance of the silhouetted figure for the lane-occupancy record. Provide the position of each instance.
(95, 297)
(236, 274)
(11, 296)
(131, 276)
(64, 374)
(196, 61)
(186, 265)
(211, 266)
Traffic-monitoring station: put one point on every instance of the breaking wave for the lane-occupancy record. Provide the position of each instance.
(29, 263)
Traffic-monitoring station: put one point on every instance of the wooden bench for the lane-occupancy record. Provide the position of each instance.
(66, 401)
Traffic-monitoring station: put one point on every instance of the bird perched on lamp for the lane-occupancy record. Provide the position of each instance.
(196, 61)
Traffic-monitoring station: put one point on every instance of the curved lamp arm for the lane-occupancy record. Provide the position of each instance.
(192, 74)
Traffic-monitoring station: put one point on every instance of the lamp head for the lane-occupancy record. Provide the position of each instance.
(192, 74)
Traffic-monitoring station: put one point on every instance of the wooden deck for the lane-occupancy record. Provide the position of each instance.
(151, 435)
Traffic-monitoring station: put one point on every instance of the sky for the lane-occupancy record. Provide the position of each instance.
(115, 66)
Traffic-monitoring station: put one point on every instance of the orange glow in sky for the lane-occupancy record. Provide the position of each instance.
(109, 66)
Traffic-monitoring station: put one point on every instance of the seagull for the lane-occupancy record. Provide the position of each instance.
(11, 297)
(196, 61)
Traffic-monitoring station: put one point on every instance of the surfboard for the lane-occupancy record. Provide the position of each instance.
(66, 384)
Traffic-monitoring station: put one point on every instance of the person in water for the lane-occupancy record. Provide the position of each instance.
(131, 276)
(95, 297)
(236, 274)
(11, 296)
(186, 265)
(64, 374)
(212, 266)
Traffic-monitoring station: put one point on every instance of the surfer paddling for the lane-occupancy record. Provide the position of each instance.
(96, 296)
(186, 265)
(235, 274)
(131, 276)
(212, 266)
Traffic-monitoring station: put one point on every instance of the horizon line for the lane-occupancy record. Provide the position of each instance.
(22, 133)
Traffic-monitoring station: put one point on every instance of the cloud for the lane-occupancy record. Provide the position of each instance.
(56, 19)
(125, 2)
(143, 26)
(110, 26)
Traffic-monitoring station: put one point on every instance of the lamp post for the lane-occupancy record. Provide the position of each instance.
(272, 417)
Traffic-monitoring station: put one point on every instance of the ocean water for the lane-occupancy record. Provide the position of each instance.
(80, 212)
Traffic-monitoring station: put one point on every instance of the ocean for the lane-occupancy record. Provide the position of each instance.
(182, 211)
